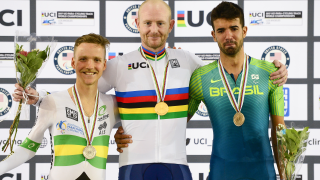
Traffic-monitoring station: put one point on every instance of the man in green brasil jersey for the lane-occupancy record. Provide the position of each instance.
(239, 96)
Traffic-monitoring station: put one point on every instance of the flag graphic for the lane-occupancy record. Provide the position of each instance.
(181, 22)
(134, 15)
(111, 55)
(129, 67)
(275, 56)
(67, 56)
(1, 97)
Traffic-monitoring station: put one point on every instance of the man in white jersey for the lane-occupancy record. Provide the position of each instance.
(79, 119)
(158, 148)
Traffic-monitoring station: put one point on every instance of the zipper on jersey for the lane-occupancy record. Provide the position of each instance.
(158, 126)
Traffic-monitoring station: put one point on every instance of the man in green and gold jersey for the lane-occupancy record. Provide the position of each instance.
(239, 96)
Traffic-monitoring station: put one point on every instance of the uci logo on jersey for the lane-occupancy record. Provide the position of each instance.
(137, 65)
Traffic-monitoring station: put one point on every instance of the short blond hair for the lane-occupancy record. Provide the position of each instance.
(93, 38)
(156, 1)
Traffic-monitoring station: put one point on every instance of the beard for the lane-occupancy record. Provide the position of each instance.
(157, 44)
(231, 51)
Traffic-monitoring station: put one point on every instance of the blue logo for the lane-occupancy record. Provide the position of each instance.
(61, 126)
(129, 17)
(276, 53)
(5, 102)
(62, 60)
(286, 96)
(75, 128)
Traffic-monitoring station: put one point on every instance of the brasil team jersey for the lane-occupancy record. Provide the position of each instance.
(155, 138)
(59, 114)
(239, 152)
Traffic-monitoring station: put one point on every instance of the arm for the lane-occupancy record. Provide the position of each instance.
(30, 145)
(195, 93)
(275, 121)
(276, 102)
(109, 77)
(281, 74)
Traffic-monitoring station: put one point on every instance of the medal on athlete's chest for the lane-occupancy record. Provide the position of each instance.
(161, 107)
(89, 152)
(238, 118)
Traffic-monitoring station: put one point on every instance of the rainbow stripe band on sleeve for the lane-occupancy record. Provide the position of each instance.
(139, 105)
(68, 150)
(31, 145)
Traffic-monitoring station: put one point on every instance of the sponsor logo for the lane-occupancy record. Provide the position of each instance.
(255, 78)
(214, 81)
(174, 63)
(256, 22)
(16, 142)
(44, 177)
(258, 14)
(112, 55)
(286, 96)
(4, 176)
(5, 101)
(62, 60)
(103, 117)
(208, 56)
(102, 128)
(44, 142)
(61, 126)
(276, 53)
(75, 128)
(102, 110)
(48, 22)
(313, 141)
(137, 65)
(202, 110)
(71, 114)
(12, 12)
(190, 20)
(198, 141)
(6, 56)
(129, 17)
(187, 141)
(250, 90)
(48, 14)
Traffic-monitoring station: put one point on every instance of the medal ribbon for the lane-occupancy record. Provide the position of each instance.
(160, 94)
(236, 105)
(80, 109)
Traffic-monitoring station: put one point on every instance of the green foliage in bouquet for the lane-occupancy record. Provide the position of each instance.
(27, 66)
(291, 145)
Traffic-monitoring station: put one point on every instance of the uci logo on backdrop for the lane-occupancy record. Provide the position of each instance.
(9, 17)
(186, 18)
(5, 102)
(62, 60)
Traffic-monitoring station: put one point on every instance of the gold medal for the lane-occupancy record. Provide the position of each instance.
(238, 119)
(161, 108)
(89, 152)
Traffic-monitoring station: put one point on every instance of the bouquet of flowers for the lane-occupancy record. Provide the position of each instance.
(292, 146)
(28, 66)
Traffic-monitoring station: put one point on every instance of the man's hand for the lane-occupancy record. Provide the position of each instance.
(121, 139)
(174, 47)
(281, 73)
(33, 95)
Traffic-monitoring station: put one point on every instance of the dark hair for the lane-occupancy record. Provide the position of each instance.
(227, 10)
(93, 38)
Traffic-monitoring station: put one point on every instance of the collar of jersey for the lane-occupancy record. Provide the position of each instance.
(151, 55)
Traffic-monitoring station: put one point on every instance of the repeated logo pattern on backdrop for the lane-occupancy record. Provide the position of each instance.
(276, 30)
